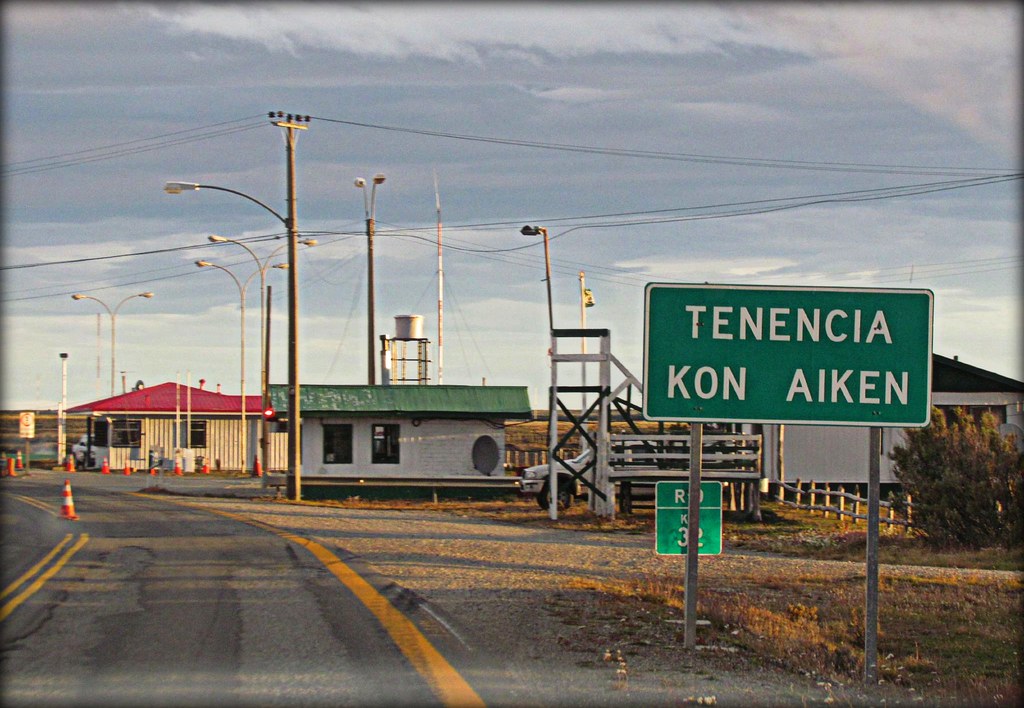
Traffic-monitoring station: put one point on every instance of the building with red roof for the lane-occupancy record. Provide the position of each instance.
(169, 421)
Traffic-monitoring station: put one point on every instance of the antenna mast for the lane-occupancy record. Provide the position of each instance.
(440, 289)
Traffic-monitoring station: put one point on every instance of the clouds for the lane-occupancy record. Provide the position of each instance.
(467, 32)
(943, 58)
(902, 84)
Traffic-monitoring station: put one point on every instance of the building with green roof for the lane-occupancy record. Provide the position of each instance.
(404, 431)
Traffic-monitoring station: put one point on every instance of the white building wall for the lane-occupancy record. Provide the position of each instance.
(840, 454)
(821, 453)
(433, 448)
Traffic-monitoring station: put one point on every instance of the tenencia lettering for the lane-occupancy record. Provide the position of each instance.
(785, 324)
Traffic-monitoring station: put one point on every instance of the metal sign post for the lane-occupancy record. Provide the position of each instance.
(693, 535)
(871, 571)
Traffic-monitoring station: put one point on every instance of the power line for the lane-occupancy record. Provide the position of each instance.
(115, 150)
(754, 207)
(132, 147)
(685, 157)
(113, 256)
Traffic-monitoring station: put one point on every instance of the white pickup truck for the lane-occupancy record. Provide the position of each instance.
(536, 478)
(87, 457)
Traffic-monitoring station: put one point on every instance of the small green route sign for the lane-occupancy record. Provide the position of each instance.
(671, 501)
(821, 356)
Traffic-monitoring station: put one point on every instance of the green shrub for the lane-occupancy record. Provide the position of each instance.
(967, 481)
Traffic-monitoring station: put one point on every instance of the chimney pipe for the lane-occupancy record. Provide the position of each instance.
(202, 383)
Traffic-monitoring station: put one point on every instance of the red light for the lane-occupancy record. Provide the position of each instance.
(269, 412)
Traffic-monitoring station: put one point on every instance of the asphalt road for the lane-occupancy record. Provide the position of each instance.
(157, 603)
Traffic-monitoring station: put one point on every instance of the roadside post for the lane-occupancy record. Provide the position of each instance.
(27, 431)
(859, 357)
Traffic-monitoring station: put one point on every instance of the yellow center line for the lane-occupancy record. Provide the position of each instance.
(32, 589)
(33, 502)
(35, 569)
(446, 683)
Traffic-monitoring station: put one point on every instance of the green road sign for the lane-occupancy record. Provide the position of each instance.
(752, 354)
(671, 501)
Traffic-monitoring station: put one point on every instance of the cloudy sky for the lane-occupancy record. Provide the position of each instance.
(781, 144)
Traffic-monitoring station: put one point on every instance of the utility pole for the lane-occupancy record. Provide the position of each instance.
(440, 290)
(291, 124)
(583, 340)
(369, 205)
(62, 419)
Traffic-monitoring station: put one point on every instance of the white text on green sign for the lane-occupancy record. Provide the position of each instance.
(787, 355)
(671, 521)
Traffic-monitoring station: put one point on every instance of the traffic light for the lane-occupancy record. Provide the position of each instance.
(269, 413)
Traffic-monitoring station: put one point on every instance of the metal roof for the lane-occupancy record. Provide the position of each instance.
(168, 398)
(506, 402)
(954, 376)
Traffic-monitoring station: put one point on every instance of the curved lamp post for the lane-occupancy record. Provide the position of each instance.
(113, 325)
(540, 230)
(262, 266)
(291, 124)
(243, 448)
(369, 204)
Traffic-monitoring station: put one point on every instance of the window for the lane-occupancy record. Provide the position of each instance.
(385, 444)
(338, 444)
(126, 433)
(100, 432)
(197, 433)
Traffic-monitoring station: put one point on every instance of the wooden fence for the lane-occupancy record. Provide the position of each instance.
(521, 459)
(845, 504)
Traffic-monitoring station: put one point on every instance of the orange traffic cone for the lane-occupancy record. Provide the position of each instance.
(127, 468)
(106, 467)
(257, 470)
(67, 509)
(177, 467)
(69, 465)
(206, 468)
(19, 465)
(10, 468)
(152, 471)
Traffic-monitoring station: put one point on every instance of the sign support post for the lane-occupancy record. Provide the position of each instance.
(693, 535)
(857, 357)
(871, 562)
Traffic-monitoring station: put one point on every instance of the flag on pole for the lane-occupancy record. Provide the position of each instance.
(588, 298)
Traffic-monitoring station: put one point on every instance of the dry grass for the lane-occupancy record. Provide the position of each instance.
(955, 637)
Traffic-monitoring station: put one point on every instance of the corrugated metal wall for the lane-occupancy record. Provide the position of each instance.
(222, 440)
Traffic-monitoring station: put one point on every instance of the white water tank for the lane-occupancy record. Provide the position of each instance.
(408, 326)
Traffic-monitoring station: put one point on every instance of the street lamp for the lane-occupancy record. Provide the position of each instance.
(262, 270)
(369, 203)
(241, 381)
(113, 325)
(291, 124)
(540, 230)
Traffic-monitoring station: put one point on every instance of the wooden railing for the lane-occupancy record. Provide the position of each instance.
(840, 507)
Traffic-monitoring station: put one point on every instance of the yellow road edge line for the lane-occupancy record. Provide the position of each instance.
(35, 569)
(440, 675)
(32, 589)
